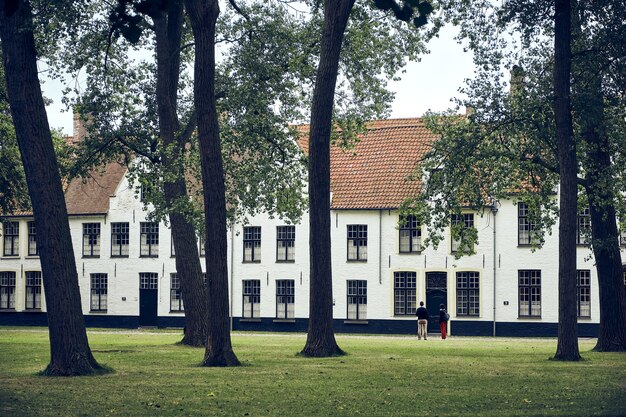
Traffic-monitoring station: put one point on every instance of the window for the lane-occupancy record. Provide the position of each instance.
(33, 250)
(252, 244)
(404, 296)
(201, 245)
(410, 235)
(119, 239)
(91, 240)
(583, 292)
(172, 248)
(11, 238)
(149, 246)
(357, 242)
(622, 237)
(529, 293)
(285, 299)
(148, 281)
(583, 236)
(526, 234)
(285, 243)
(176, 298)
(251, 298)
(467, 293)
(357, 300)
(33, 290)
(466, 220)
(99, 291)
(7, 290)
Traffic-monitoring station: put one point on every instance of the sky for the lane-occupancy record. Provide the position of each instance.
(444, 70)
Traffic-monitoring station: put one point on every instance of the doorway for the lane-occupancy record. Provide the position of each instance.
(148, 299)
(436, 294)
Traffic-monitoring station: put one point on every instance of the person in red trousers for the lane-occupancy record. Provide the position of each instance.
(443, 321)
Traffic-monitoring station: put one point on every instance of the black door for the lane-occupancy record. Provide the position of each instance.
(148, 299)
(436, 294)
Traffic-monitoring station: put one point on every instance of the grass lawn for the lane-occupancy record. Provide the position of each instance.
(380, 376)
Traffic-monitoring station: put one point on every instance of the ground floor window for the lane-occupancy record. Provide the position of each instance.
(251, 298)
(99, 292)
(529, 289)
(285, 299)
(357, 300)
(467, 293)
(7, 290)
(583, 292)
(176, 298)
(404, 293)
(33, 290)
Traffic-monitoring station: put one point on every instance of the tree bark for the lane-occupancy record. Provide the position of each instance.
(69, 348)
(567, 345)
(168, 29)
(203, 17)
(321, 337)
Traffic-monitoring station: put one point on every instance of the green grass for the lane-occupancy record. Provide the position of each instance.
(391, 376)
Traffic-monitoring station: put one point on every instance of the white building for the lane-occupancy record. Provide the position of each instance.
(127, 272)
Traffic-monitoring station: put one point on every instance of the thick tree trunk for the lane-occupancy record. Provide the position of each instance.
(321, 337)
(203, 17)
(567, 345)
(69, 349)
(194, 294)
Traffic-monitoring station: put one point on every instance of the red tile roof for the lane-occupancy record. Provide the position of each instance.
(374, 175)
(91, 195)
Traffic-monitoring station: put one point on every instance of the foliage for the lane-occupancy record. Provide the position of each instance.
(383, 375)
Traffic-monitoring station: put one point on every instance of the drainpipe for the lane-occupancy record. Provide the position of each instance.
(494, 210)
(232, 271)
(380, 247)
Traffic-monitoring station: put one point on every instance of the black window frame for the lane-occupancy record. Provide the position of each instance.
(583, 227)
(201, 246)
(150, 232)
(91, 240)
(285, 295)
(252, 238)
(529, 286)
(583, 291)
(32, 239)
(11, 238)
(356, 291)
(356, 237)
(286, 238)
(176, 295)
(411, 227)
(99, 292)
(525, 225)
(404, 293)
(148, 280)
(251, 288)
(468, 293)
(33, 291)
(467, 219)
(120, 233)
(7, 290)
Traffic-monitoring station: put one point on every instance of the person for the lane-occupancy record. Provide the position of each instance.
(443, 321)
(422, 321)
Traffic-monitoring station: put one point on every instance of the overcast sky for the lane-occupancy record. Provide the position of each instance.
(441, 73)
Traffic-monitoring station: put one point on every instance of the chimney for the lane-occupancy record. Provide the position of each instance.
(517, 80)
(80, 128)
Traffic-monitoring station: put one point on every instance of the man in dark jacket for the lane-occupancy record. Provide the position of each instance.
(422, 320)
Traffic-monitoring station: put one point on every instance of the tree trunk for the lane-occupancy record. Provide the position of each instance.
(69, 349)
(194, 294)
(567, 346)
(203, 17)
(321, 337)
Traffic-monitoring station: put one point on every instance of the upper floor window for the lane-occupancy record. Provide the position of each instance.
(410, 235)
(466, 220)
(529, 290)
(404, 293)
(583, 236)
(526, 228)
(7, 290)
(119, 239)
(252, 244)
(99, 292)
(357, 242)
(285, 243)
(467, 293)
(583, 292)
(33, 290)
(91, 240)
(251, 298)
(33, 250)
(201, 245)
(622, 236)
(149, 245)
(357, 299)
(285, 299)
(176, 297)
(11, 232)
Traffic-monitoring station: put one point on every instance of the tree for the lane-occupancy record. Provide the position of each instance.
(69, 349)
